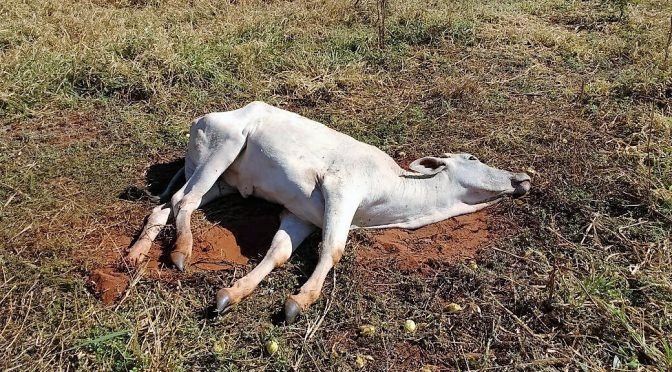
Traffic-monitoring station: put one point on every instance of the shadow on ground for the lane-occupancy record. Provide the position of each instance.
(232, 233)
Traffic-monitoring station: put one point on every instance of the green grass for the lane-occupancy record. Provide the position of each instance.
(92, 93)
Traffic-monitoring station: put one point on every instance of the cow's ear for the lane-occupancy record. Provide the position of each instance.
(428, 165)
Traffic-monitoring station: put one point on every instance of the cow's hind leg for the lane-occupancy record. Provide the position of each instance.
(155, 222)
(158, 219)
(215, 148)
(184, 206)
(291, 233)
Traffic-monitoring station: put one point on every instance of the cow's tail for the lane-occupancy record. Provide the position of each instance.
(175, 183)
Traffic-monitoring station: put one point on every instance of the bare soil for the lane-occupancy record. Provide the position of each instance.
(217, 247)
(76, 128)
(234, 243)
(108, 283)
(420, 250)
(221, 247)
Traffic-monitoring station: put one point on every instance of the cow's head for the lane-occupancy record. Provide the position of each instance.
(473, 181)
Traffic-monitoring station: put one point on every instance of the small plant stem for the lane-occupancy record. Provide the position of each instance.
(647, 160)
(382, 5)
(669, 41)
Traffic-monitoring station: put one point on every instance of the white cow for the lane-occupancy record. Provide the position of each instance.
(324, 179)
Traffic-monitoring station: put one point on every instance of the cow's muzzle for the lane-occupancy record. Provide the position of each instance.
(521, 184)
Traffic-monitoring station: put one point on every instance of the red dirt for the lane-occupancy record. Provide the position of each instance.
(68, 130)
(219, 247)
(233, 243)
(108, 284)
(420, 250)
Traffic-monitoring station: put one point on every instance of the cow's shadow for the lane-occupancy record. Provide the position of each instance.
(251, 221)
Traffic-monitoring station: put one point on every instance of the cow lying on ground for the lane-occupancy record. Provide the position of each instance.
(324, 179)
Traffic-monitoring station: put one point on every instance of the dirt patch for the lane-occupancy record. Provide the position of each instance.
(63, 131)
(233, 243)
(108, 281)
(423, 249)
(108, 284)
(222, 246)
(218, 247)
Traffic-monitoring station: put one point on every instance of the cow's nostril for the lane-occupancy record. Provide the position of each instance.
(520, 187)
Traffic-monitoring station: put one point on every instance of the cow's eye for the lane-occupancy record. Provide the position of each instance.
(472, 157)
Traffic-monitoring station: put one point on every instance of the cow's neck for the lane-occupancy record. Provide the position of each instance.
(418, 200)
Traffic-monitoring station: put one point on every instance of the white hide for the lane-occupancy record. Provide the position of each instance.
(289, 159)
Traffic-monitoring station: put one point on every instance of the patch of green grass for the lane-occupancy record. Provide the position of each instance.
(610, 288)
(114, 346)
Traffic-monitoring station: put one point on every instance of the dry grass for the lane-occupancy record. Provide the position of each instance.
(91, 93)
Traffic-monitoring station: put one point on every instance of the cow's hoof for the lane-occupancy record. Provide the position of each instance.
(179, 259)
(223, 300)
(292, 310)
(134, 261)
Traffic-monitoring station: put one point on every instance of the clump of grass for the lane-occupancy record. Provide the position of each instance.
(458, 91)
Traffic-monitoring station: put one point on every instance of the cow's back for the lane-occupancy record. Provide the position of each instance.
(286, 156)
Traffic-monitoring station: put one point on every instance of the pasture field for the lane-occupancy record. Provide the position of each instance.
(96, 97)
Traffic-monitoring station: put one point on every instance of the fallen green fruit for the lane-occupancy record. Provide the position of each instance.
(453, 308)
(409, 326)
(367, 330)
(271, 347)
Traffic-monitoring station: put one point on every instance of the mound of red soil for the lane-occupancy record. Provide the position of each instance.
(419, 250)
(221, 247)
(108, 284)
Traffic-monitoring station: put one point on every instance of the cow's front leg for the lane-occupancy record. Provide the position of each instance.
(291, 233)
(340, 206)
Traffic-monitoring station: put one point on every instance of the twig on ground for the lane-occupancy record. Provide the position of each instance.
(15, 190)
(516, 256)
(310, 331)
(19, 233)
(514, 316)
(9, 200)
(382, 6)
(669, 41)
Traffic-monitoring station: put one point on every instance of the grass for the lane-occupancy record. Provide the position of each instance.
(92, 93)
